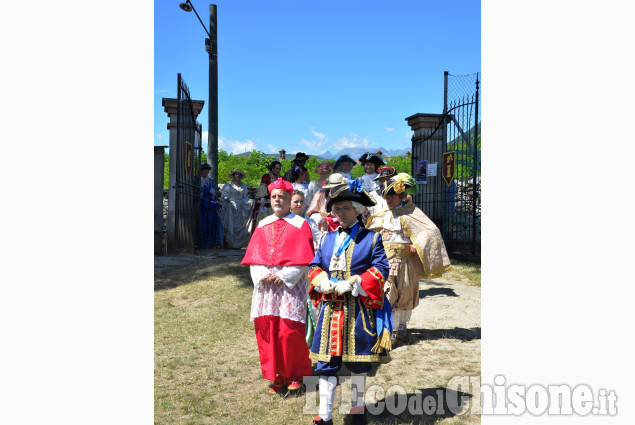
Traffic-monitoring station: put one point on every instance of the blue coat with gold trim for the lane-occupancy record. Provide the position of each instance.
(347, 324)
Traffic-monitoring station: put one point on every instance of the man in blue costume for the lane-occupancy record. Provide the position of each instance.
(354, 324)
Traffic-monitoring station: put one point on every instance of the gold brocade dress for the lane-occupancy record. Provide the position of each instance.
(399, 228)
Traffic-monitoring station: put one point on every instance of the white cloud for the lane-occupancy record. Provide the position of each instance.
(321, 137)
(352, 141)
(158, 136)
(236, 146)
(272, 149)
(389, 129)
(310, 144)
(314, 144)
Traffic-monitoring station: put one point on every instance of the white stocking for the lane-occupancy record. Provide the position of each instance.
(327, 394)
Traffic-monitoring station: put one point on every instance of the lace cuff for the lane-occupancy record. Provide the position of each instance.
(291, 275)
(257, 273)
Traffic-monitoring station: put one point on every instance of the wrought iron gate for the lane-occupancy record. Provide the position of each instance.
(188, 170)
(453, 199)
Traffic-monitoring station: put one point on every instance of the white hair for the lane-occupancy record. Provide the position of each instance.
(358, 207)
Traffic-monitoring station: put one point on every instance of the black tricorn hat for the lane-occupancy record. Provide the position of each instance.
(342, 159)
(352, 191)
(301, 156)
(372, 157)
(385, 172)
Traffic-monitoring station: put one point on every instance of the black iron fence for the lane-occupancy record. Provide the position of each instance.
(447, 163)
(188, 168)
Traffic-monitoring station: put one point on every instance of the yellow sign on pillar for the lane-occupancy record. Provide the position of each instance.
(188, 160)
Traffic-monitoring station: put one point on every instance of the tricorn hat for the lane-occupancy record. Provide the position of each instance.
(352, 191)
(372, 157)
(385, 172)
(206, 165)
(403, 182)
(300, 156)
(342, 159)
(237, 170)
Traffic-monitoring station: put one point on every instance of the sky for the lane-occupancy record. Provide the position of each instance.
(314, 76)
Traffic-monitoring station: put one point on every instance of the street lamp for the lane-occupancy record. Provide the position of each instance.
(212, 107)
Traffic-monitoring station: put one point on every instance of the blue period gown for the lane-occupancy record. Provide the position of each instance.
(210, 223)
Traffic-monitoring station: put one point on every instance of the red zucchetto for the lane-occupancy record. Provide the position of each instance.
(281, 184)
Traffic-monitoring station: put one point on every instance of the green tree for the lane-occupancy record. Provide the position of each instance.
(254, 166)
(166, 170)
(464, 164)
(401, 164)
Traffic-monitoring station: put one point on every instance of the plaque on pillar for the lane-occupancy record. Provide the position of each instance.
(422, 172)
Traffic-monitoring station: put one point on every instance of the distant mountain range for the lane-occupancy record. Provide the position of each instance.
(354, 153)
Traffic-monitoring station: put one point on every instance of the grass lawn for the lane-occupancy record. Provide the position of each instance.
(206, 359)
(464, 272)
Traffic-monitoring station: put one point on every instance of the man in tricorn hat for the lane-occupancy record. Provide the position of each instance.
(343, 166)
(371, 162)
(300, 159)
(354, 323)
(383, 175)
(414, 247)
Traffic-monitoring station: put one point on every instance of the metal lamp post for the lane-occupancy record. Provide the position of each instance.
(212, 108)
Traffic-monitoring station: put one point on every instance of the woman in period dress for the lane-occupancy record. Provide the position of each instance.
(299, 176)
(262, 205)
(297, 204)
(323, 170)
(236, 210)
(210, 224)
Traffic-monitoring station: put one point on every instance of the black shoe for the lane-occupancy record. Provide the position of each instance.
(355, 417)
(319, 421)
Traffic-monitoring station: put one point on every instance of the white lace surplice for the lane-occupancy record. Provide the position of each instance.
(287, 301)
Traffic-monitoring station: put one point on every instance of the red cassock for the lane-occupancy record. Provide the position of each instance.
(278, 311)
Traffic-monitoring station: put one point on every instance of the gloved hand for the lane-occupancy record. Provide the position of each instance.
(327, 286)
(342, 287)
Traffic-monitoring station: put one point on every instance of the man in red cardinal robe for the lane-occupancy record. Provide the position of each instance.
(280, 250)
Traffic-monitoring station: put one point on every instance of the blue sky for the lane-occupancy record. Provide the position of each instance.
(312, 76)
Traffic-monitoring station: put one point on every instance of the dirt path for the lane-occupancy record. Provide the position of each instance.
(445, 304)
(444, 345)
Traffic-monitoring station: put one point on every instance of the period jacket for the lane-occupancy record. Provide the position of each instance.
(347, 324)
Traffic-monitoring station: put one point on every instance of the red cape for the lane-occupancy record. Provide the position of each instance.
(294, 247)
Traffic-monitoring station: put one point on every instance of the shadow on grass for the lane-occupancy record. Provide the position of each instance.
(432, 292)
(416, 335)
(202, 269)
(424, 406)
